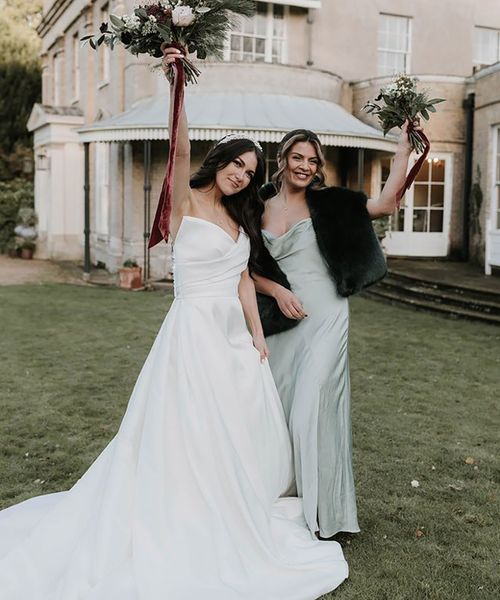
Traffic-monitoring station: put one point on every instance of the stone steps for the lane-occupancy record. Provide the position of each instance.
(455, 300)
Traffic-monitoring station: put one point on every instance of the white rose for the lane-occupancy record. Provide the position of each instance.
(183, 16)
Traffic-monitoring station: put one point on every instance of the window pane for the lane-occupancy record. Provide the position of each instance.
(248, 45)
(261, 25)
(423, 174)
(385, 164)
(420, 195)
(420, 220)
(235, 42)
(436, 220)
(486, 45)
(438, 170)
(437, 195)
(260, 46)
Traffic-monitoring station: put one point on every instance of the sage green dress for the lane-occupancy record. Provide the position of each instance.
(310, 365)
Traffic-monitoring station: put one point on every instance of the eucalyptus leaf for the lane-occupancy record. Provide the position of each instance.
(117, 22)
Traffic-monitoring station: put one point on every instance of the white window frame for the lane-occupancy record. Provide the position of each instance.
(477, 61)
(496, 178)
(104, 53)
(492, 237)
(269, 39)
(58, 78)
(407, 53)
(75, 67)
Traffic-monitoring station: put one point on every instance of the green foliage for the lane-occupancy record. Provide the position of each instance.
(400, 101)
(14, 195)
(20, 78)
(130, 263)
(20, 86)
(381, 226)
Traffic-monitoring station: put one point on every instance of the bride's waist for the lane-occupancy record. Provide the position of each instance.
(208, 290)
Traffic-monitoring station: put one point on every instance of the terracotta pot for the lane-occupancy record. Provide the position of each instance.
(130, 278)
(27, 253)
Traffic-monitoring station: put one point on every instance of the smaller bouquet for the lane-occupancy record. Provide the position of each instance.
(399, 102)
(200, 26)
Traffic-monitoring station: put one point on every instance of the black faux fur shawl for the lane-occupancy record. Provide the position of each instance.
(346, 240)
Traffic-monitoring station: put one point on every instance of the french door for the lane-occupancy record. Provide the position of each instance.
(421, 227)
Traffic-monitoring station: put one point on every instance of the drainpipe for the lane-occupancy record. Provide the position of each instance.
(147, 207)
(86, 218)
(310, 23)
(468, 105)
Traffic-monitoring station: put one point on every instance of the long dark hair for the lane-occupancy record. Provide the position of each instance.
(245, 207)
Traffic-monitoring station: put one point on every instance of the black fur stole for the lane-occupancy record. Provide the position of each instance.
(346, 240)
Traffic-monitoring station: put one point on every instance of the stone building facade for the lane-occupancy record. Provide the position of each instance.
(297, 63)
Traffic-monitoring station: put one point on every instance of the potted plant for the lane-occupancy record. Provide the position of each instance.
(27, 249)
(130, 275)
(381, 227)
(26, 233)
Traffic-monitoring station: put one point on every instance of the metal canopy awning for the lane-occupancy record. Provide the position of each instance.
(267, 117)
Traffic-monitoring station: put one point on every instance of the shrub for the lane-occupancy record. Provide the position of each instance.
(14, 195)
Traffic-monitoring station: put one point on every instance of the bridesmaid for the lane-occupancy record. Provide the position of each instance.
(319, 248)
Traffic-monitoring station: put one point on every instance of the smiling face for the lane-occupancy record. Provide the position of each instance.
(237, 174)
(302, 163)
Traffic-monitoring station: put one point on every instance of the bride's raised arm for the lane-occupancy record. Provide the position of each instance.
(181, 192)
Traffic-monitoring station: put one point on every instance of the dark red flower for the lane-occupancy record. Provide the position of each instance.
(162, 14)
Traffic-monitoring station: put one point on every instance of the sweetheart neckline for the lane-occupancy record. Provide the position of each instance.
(234, 241)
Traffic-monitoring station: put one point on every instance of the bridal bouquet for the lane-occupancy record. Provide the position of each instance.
(399, 102)
(200, 26)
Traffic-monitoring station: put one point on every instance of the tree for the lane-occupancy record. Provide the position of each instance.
(20, 76)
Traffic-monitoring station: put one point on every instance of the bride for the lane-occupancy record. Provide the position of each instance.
(184, 502)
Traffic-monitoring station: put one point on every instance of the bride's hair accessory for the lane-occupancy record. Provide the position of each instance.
(236, 136)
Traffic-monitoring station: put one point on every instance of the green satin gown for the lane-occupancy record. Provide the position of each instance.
(310, 365)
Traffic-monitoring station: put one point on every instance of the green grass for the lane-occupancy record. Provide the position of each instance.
(425, 398)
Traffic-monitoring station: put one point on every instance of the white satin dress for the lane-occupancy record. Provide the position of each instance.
(184, 503)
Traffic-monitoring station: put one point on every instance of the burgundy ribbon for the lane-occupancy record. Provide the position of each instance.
(161, 223)
(410, 178)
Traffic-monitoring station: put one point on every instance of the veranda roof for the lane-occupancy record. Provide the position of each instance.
(267, 117)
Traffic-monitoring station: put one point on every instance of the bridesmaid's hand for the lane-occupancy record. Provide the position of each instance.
(169, 57)
(289, 304)
(259, 342)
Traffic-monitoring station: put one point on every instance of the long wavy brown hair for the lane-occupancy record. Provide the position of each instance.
(284, 149)
(245, 207)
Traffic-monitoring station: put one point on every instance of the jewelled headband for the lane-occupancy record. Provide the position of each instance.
(235, 136)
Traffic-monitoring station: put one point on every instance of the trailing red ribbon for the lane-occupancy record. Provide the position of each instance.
(161, 223)
(410, 178)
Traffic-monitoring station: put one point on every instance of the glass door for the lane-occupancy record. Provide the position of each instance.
(421, 227)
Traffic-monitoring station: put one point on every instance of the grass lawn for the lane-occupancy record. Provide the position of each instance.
(425, 408)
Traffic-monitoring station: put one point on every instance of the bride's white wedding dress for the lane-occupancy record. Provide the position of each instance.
(184, 503)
